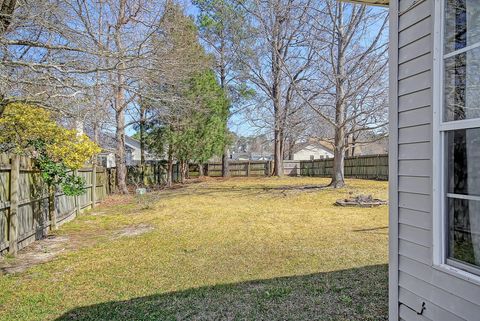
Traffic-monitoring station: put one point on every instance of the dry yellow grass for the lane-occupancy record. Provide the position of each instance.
(240, 249)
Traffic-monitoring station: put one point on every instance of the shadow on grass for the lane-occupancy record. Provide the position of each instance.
(354, 294)
(239, 191)
(208, 191)
(382, 230)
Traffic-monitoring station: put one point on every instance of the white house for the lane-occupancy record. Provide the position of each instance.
(434, 252)
(132, 152)
(311, 151)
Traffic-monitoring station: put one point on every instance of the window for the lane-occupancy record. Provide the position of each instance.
(459, 132)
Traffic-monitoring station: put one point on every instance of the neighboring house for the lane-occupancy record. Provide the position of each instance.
(252, 148)
(311, 151)
(434, 160)
(132, 152)
(106, 159)
(374, 148)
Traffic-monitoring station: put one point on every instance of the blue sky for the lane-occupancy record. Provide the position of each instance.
(238, 123)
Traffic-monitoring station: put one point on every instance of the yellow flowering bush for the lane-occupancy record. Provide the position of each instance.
(30, 130)
(22, 124)
(72, 149)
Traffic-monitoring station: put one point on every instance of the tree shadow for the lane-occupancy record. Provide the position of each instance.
(382, 230)
(353, 294)
(239, 191)
(243, 192)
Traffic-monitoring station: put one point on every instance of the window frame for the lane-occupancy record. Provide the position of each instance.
(439, 170)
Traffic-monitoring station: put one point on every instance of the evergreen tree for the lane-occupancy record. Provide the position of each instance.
(222, 28)
(188, 108)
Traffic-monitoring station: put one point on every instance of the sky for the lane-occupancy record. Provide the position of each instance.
(238, 123)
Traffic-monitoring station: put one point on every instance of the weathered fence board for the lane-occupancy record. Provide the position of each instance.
(367, 167)
(291, 168)
(33, 210)
(32, 214)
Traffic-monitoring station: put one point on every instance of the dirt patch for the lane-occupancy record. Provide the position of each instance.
(115, 200)
(47, 249)
(39, 252)
(134, 230)
(361, 201)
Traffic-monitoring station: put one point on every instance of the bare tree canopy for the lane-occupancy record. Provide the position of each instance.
(6, 11)
(298, 70)
(319, 69)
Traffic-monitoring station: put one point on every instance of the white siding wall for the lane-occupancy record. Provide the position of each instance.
(307, 152)
(446, 297)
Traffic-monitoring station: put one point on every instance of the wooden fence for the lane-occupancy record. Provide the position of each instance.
(28, 208)
(366, 167)
(241, 168)
(155, 174)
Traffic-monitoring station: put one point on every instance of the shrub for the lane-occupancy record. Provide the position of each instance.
(31, 131)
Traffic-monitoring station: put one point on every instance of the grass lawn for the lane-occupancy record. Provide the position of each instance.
(240, 249)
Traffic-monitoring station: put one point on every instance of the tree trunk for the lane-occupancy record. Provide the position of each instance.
(182, 172)
(120, 104)
(201, 172)
(225, 165)
(223, 79)
(142, 134)
(278, 151)
(338, 180)
(142, 143)
(276, 95)
(7, 7)
(170, 167)
(120, 151)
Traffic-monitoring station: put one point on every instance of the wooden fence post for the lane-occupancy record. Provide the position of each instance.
(248, 169)
(77, 201)
(51, 208)
(14, 201)
(94, 185)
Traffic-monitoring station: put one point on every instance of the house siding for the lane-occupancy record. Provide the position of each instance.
(414, 280)
(310, 151)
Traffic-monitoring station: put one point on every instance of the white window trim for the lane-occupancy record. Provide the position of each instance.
(438, 170)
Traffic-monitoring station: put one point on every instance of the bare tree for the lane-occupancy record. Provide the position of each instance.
(349, 91)
(64, 53)
(279, 60)
(6, 11)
